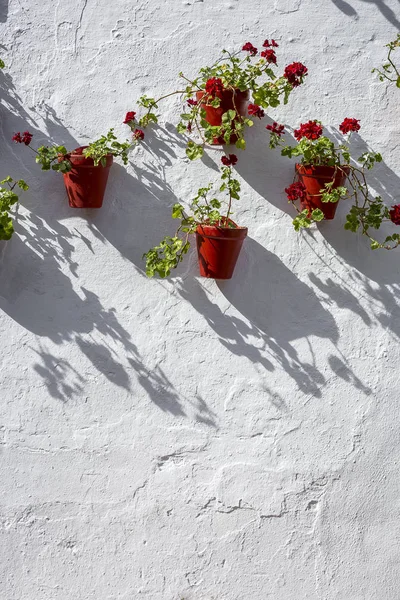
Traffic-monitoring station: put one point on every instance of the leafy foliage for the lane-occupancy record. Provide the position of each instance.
(389, 70)
(170, 251)
(8, 198)
(106, 145)
(56, 158)
(305, 218)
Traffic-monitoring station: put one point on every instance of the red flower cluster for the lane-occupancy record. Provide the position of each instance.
(248, 47)
(395, 214)
(349, 125)
(229, 160)
(269, 55)
(130, 116)
(24, 138)
(214, 86)
(294, 73)
(268, 44)
(296, 191)
(276, 128)
(192, 102)
(257, 111)
(311, 130)
(138, 135)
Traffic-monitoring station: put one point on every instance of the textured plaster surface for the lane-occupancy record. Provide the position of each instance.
(188, 439)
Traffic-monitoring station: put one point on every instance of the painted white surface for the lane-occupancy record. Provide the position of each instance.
(186, 438)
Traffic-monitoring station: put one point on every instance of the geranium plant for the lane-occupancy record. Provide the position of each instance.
(8, 199)
(389, 70)
(57, 158)
(85, 169)
(216, 100)
(325, 173)
(207, 218)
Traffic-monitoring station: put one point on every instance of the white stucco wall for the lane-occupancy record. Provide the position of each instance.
(187, 439)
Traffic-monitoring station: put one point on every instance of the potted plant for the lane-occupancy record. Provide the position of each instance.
(324, 171)
(8, 198)
(216, 100)
(389, 70)
(85, 169)
(218, 238)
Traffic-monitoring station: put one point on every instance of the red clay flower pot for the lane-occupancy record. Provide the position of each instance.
(314, 179)
(218, 249)
(85, 183)
(230, 100)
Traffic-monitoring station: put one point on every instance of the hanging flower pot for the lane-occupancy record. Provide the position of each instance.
(218, 249)
(218, 238)
(86, 183)
(85, 169)
(231, 99)
(314, 178)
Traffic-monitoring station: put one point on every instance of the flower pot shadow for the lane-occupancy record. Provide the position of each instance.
(274, 308)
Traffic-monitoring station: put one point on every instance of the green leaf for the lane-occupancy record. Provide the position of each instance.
(228, 116)
(23, 185)
(177, 211)
(241, 144)
(194, 151)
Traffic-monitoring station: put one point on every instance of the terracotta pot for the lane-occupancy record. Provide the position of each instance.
(218, 249)
(230, 100)
(314, 179)
(85, 183)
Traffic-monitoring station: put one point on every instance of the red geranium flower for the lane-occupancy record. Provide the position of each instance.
(311, 130)
(130, 116)
(269, 55)
(214, 86)
(276, 128)
(138, 135)
(229, 160)
(192, 102)
(395, 214)
(294, 73)
(272, 44)
(24, 138)
(349, 125)
(27, 138)
(248, 47)
(296, 191)
(257, 111)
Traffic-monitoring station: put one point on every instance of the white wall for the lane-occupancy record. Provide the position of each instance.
(185, 438)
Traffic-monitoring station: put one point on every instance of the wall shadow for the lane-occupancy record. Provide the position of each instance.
(345, 7)
(277, 309)
(3, 11)
(38, 268)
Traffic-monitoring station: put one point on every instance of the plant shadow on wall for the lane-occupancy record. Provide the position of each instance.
(278, 309)
(348, 9)
(40, 288)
